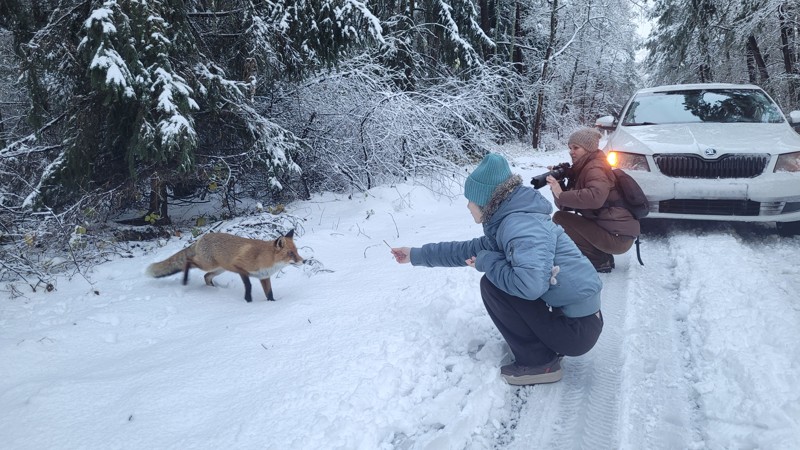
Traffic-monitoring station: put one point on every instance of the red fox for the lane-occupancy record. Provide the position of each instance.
(217, 252)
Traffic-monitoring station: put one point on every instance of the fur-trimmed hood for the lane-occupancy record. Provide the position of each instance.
(510, 196)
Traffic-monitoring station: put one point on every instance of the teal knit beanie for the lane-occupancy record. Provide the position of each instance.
(482, 182)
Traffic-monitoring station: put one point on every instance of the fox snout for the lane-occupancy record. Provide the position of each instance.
(295, 259)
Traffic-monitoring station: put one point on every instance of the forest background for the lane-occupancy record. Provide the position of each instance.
(113, 114)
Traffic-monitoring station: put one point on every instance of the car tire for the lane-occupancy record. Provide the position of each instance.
(787, 229)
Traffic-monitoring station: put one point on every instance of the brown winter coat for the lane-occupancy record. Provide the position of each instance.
(591, 185)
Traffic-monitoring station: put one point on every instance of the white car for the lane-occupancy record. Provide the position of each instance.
(710, 152)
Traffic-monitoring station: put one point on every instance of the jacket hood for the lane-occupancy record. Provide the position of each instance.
(512, 197)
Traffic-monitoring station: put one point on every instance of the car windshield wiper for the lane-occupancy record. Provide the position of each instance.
(636, 124)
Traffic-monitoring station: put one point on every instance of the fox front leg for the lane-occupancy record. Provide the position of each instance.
(267, 285)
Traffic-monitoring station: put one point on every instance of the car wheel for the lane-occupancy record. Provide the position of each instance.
(788, 228)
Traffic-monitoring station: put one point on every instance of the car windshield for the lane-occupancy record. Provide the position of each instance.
(706, 105)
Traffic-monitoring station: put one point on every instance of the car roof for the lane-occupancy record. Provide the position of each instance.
(695, 86)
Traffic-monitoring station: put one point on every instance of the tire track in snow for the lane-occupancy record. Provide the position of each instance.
(658, 409)
(664, 374)
(737, 327)
(583, 409)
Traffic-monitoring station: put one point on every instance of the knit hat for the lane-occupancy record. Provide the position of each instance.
(482, 182)
(588, 138)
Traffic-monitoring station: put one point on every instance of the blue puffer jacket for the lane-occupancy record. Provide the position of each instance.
(520, 250)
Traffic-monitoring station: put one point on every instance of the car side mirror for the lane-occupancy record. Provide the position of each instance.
(607, 123)
(794, 120)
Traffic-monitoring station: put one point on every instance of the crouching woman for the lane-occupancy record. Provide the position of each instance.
(539, 290)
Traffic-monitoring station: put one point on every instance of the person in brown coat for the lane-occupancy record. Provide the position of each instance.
(598, 229)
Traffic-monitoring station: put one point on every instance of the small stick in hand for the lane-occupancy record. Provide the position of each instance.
(387, 244)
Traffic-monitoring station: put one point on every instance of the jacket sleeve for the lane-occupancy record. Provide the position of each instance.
(447, 254)
(525, 268)
(593, 192)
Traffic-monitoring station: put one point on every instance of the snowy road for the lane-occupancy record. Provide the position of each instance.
(699, 348)
(685, 358)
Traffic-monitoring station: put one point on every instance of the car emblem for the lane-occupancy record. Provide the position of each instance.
(710, 152)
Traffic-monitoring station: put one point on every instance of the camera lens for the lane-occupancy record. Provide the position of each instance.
(558, 172)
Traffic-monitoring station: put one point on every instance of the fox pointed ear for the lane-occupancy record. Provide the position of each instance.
(290, 234)
(279, 242)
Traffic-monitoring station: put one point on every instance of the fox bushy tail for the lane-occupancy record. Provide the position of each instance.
(172, 265)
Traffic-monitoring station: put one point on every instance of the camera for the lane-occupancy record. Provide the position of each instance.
(558, 172)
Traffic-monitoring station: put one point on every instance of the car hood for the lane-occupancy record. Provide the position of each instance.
(695, 138)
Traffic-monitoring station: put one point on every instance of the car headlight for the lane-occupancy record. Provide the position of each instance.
(790, 162)
(627, 161)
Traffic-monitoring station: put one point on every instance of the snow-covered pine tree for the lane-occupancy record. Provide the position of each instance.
(131, 118)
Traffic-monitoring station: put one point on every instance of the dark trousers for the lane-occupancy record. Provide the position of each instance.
(535, 334)
(593, 240)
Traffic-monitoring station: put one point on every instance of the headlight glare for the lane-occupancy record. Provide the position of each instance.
(627, 161)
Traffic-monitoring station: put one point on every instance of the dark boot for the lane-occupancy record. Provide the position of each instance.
(525, 375)
(606, 266)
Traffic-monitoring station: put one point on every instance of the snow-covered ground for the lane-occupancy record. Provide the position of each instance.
(699, 350)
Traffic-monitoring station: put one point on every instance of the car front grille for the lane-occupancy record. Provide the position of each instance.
(710, 207)
(726, 166)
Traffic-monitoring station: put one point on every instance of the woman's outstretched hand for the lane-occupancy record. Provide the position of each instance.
(402, 254)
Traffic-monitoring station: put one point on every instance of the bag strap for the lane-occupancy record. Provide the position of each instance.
(638, 253)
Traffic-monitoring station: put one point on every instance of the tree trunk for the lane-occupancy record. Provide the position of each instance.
(2, 131)
(158, 200)
(569, 88)
(516, 52)
(789, 56)
(752, 75)
(787, 32)
(538, 117)
(705, 73)
(486, 26)
(761, 66)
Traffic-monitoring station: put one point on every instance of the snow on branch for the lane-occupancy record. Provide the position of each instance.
(116, 70)
(364, 131)
(101, 31)
(374, 23)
